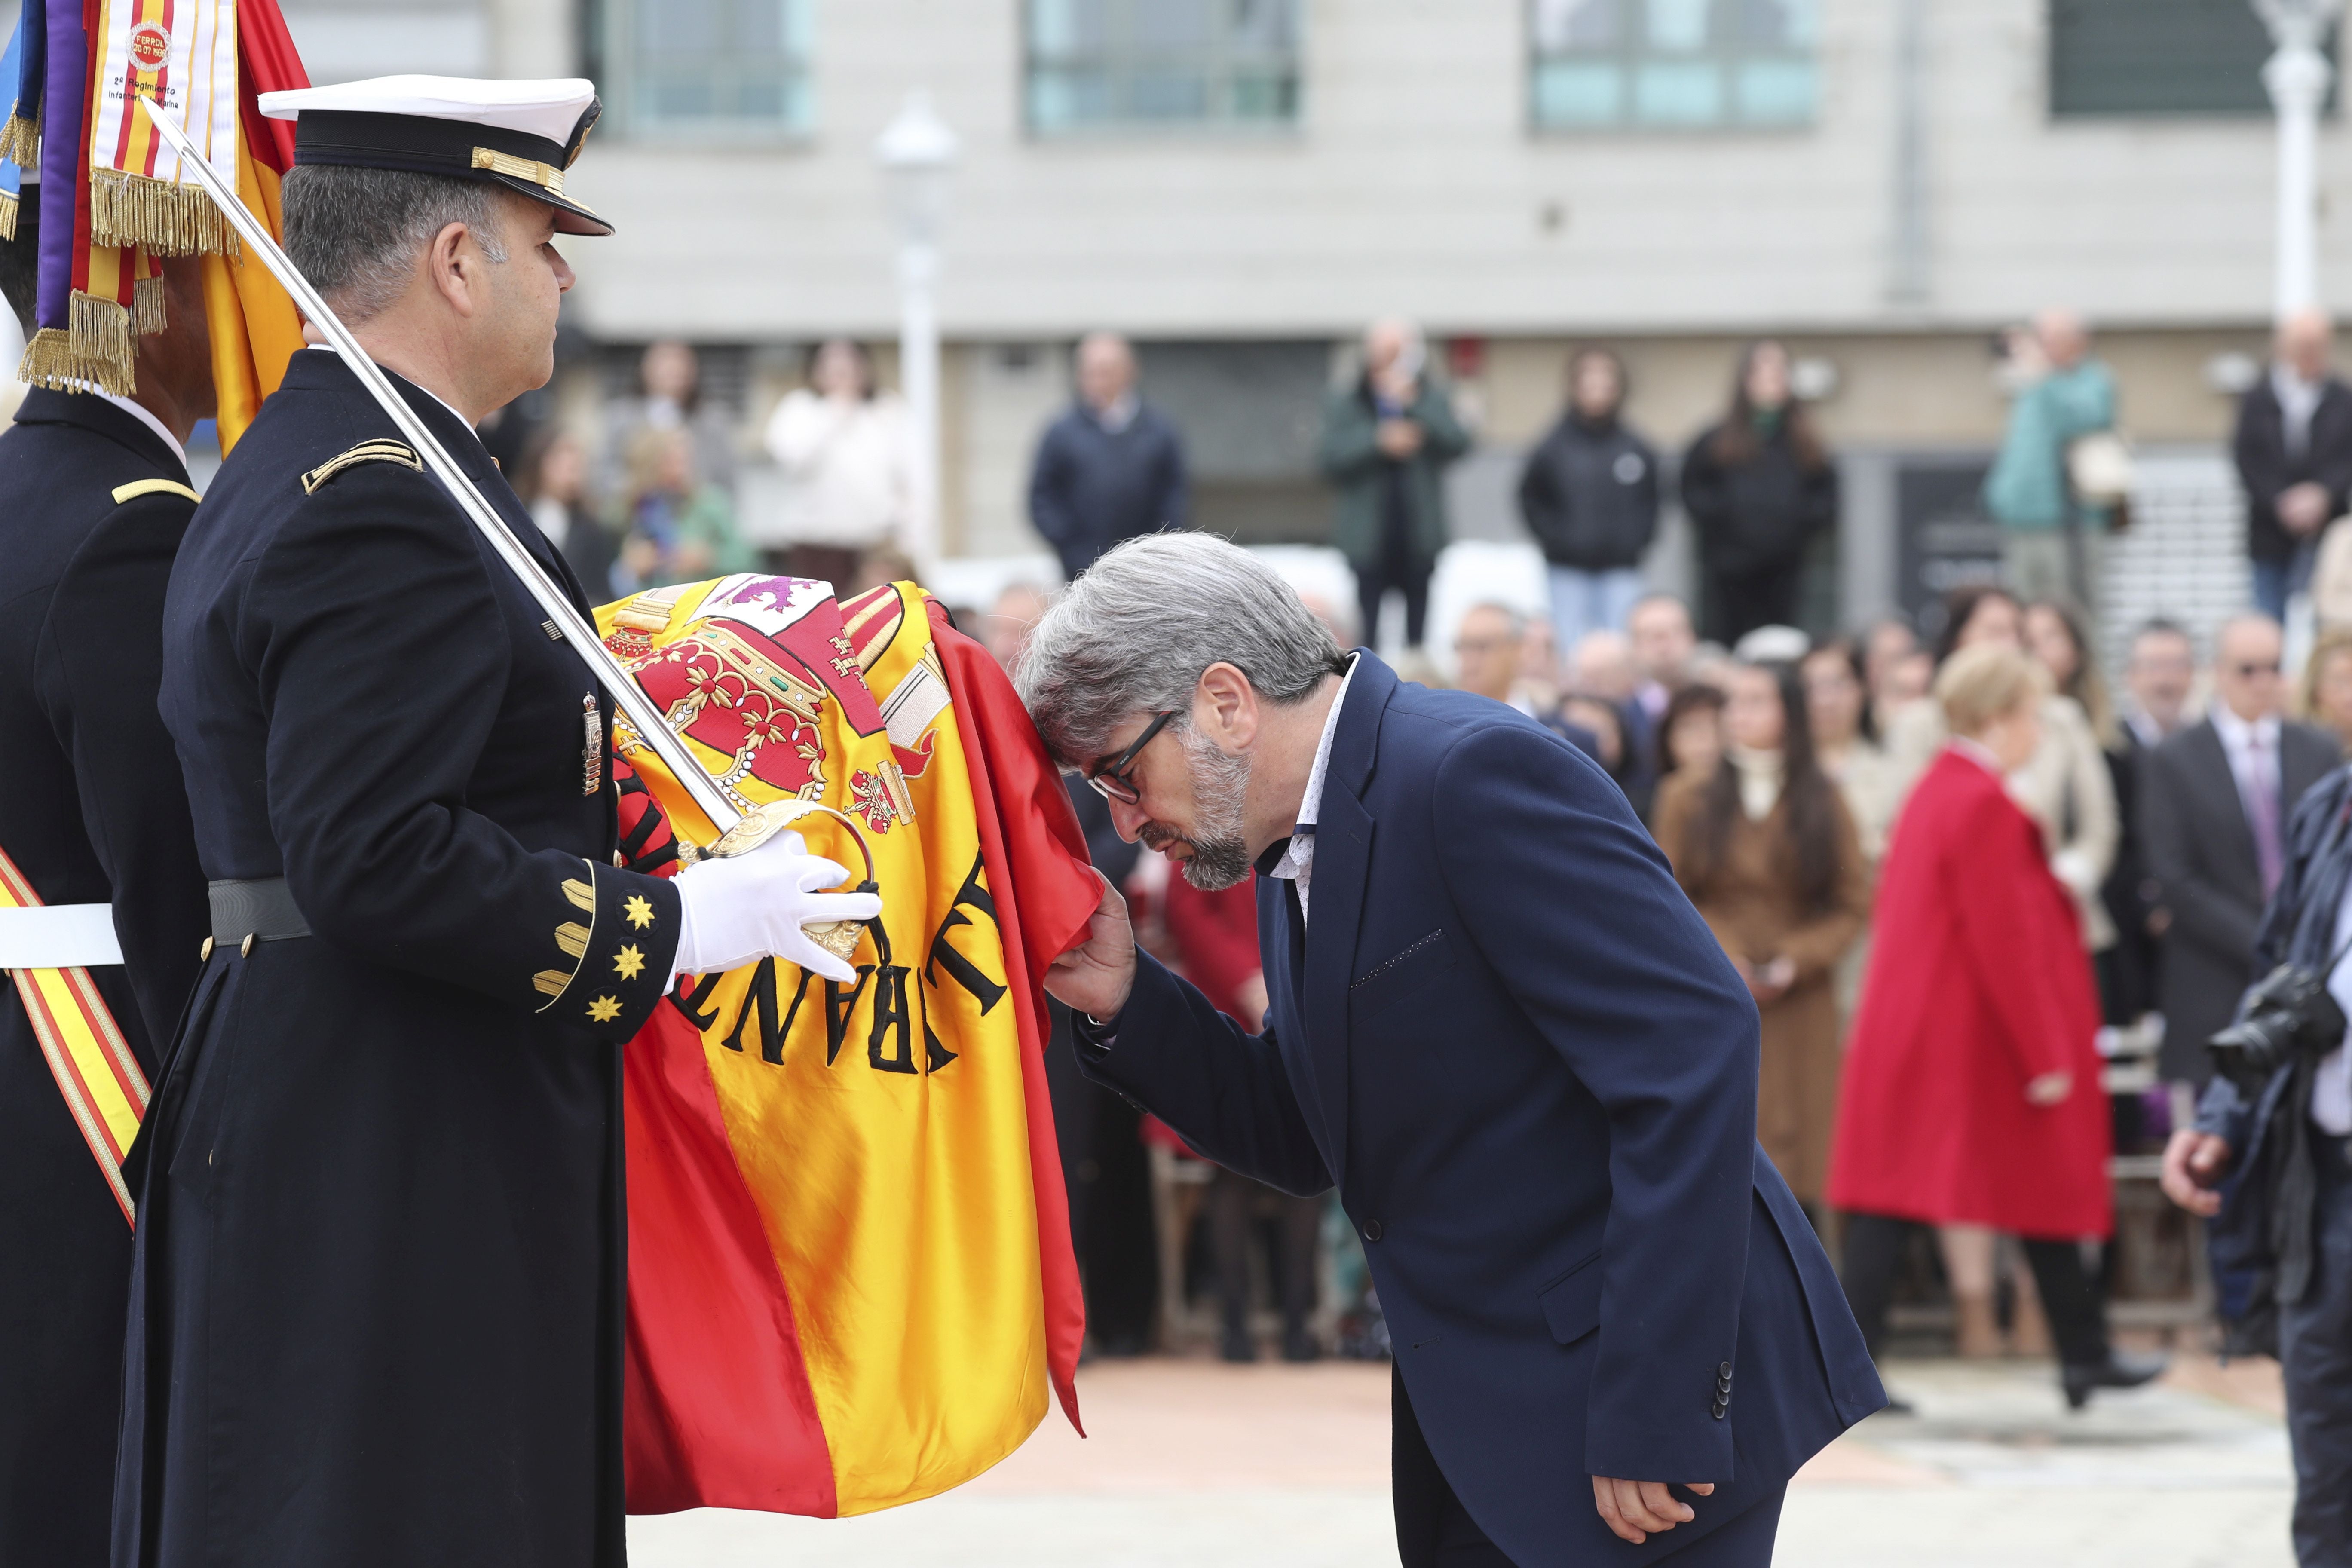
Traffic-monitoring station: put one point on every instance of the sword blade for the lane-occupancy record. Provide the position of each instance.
(579, 634)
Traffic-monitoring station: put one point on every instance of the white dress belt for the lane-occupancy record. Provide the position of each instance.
(59, 936)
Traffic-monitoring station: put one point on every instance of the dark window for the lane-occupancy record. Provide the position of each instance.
(2159, 57)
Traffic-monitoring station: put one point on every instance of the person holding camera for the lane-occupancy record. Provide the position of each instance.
(2278, 1115)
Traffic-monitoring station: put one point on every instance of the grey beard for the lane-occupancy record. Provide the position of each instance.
(1220, 857)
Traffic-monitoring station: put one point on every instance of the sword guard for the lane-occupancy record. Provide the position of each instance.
(762, 823)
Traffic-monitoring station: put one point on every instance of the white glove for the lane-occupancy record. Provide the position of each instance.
(739, 911)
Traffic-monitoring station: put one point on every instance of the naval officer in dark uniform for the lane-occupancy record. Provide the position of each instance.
(94, 496)
(378, 1303)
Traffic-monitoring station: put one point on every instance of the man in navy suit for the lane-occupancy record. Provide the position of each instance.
(1498, 1026)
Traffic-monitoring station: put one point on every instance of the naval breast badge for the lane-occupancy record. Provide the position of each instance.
(591, 750)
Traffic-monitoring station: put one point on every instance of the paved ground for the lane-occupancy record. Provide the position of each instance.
(1194, 1462)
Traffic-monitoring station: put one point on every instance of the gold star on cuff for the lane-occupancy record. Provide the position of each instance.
(629, 962)
(603, 1010)
(640, 912)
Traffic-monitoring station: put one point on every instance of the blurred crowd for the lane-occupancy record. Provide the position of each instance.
(1865, 819)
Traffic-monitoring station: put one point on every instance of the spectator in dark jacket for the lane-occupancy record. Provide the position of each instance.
(1386, 442)
(1758, 487)
(1589, 496)
(2294, 450)
(2214, 802)
(1108, 469)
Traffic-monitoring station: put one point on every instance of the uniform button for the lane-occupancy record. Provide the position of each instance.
(1724, 1371)
(244, 949)
(1719, 1412)
(1371, 1230)
(204, 953)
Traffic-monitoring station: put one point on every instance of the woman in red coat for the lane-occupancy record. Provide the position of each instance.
(1971, 1092)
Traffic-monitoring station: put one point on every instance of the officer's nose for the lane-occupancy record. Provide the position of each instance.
(1129, 819)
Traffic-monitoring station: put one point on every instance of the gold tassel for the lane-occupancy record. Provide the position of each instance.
(92, 350)
(7, 215)
(20, 140)
(147, 307)
(48, 360)
(162, 217)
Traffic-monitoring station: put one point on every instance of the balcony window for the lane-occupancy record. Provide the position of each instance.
(1671, 64)
(716, 69)
(1173, 64)
(2151, 58)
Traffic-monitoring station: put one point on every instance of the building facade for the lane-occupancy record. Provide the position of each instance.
(1240, 185)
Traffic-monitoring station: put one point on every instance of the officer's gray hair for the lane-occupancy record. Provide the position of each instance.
(1133, 634)
(356, 233)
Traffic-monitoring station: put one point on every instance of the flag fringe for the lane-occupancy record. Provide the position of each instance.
(7, 215)
(147, 307)
(162, 217)
(93, 349)
(20, 140)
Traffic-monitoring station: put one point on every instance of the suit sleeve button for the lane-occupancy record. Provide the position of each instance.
(1724, 1371)
(1371, 1230)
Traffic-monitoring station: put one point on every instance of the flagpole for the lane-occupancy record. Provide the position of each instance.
(607, 670)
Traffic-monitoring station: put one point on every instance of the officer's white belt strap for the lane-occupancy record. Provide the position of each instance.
(59, 936)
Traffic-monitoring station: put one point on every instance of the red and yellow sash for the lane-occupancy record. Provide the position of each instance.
(101, 1080)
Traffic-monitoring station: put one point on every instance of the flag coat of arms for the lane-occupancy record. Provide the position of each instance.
(851, 1283)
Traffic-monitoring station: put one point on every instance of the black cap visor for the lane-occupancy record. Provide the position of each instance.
(528, 166)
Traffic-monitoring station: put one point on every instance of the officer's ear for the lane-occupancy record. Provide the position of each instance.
(454, 261)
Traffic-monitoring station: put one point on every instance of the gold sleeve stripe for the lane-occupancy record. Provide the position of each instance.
(138, 488)
(365, 452)
(572, 937)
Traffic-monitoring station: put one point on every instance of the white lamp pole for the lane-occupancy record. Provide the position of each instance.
(916, 150)
(2297, 77)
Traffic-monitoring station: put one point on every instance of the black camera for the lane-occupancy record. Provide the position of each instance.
(2287, 1013)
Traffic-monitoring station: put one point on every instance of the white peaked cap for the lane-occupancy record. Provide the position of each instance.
(549, 108)
(519, 135)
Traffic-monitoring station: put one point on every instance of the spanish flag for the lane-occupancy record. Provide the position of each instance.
(850, 1276)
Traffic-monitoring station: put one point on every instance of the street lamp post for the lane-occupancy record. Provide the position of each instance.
(916, 150)
(2297, 78)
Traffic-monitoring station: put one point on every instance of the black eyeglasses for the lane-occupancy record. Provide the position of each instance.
(1110, 780)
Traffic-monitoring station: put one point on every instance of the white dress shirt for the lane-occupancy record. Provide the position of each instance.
(1298, 862)
(2252, 748)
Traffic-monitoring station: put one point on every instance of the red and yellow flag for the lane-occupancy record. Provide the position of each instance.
(850, 1274)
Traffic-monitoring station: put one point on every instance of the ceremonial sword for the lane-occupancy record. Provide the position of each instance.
(739, 831)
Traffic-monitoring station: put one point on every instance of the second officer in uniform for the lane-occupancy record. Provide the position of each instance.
(378, 1310)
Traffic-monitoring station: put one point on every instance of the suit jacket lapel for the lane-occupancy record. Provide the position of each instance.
(1343, 845)
(2301, 767)
(2222, 780)
(1343, 852)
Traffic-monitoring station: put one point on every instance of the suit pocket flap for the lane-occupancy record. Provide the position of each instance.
(1572, 1304)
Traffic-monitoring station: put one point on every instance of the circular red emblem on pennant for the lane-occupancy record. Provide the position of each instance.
(151, 46)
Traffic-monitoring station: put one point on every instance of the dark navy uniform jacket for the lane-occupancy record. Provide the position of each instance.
(92, 505)
(378, 1308)
(1520, 1055)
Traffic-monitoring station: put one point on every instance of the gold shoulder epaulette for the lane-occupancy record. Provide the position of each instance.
(365, 452)
(138, 488)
